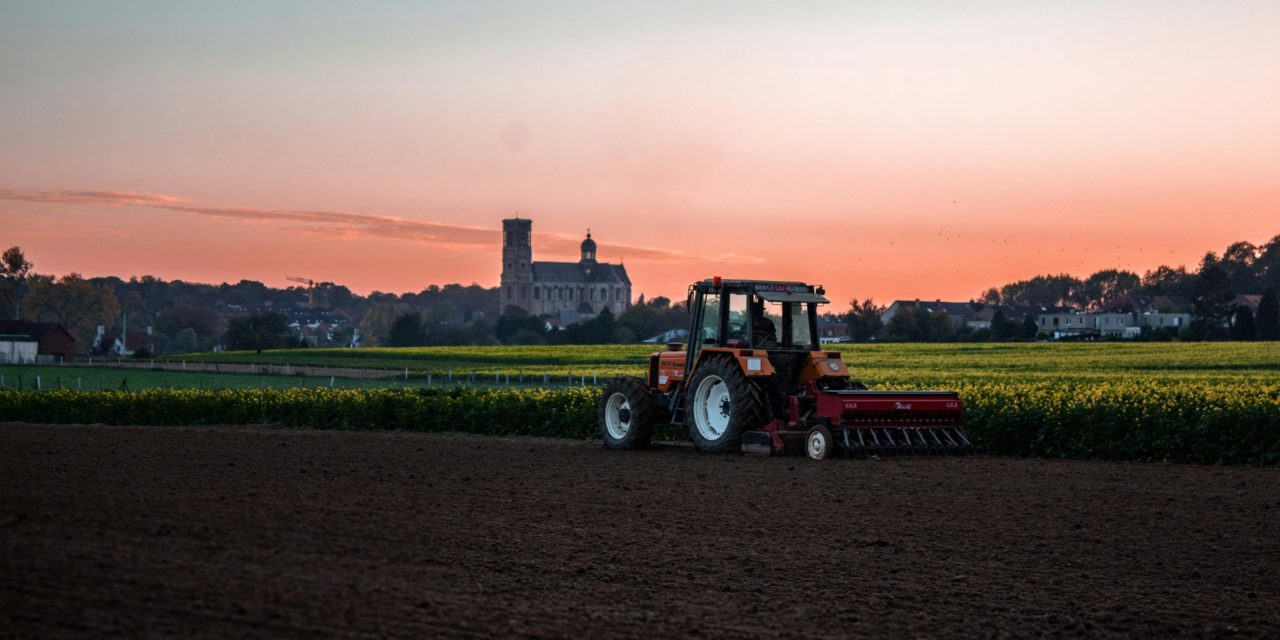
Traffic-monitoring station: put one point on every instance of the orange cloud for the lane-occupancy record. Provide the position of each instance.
(341, 224)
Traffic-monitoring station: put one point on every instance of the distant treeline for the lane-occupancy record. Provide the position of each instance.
(184, 316)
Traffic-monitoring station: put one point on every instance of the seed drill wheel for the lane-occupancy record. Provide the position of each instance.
(818, 443)
(626, 414)
(722, 404)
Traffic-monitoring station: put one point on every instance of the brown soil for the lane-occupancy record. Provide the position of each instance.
(115, 531)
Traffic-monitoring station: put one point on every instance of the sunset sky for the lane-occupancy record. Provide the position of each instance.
(890, 150)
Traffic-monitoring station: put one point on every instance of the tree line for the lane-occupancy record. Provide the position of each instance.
(1210, 291)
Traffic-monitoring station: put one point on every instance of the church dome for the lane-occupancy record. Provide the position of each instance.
(589, 244)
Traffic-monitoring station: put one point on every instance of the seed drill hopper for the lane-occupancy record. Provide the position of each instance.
(754, 378)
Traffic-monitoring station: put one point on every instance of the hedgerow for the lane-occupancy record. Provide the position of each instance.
(1194, 422)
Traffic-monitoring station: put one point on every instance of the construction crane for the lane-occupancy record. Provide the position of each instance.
(311, 289)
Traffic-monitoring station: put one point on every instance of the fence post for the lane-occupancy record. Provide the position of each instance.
(184, 364)
(79, 385)
(451, 376)
(546, 379)
(508, 379)
(330, 382)
(38, 387)
(428, 379)
(595, 379)
(406, 374)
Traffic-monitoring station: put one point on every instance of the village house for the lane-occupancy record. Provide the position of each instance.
(53, 343)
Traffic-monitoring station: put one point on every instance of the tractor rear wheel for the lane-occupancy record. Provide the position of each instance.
(721, 405)
(626, 414)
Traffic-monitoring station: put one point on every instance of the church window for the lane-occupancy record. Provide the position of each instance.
(524, 293)
(537, 293)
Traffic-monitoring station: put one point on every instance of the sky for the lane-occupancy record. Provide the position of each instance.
(892, 150)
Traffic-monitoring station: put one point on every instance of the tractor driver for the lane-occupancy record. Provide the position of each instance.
(764, 333)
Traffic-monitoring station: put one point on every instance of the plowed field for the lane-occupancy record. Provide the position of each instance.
(124, 531)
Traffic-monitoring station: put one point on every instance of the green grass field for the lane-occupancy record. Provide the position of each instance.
(874, 364)
(14, 377)
(883, 365)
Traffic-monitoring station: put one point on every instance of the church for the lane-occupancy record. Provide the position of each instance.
(569, 291)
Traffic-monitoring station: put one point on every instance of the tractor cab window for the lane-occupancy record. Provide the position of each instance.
(710, 329)
(800, 325)
(766, 325)
(781, 325)
(736, 323)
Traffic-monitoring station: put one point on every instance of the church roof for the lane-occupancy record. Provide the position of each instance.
(575, 272)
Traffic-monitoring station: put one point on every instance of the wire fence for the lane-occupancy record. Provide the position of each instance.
(216, 375)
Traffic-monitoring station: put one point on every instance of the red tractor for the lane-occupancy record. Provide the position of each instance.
(754, 378)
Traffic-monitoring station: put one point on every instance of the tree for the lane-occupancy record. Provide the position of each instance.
(258, 331)
(185, 341)
(514, 322)
(990, 296)
(207, 324)
(342, 335)
(864, 320)
(1168, 281)
(1029, 328)
(1242, 325)
(14, 271)
(915, 324)
(1002, 329)
(72, 302)
(1213, 298)
(375, 327)
(1043, 291)
(1106, 287)
(1239, 260)
(1267, 324)
(407, 331)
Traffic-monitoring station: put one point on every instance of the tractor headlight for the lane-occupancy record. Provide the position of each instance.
(753, 364)
(833, 365)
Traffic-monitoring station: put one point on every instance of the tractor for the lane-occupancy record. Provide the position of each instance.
(753, 377)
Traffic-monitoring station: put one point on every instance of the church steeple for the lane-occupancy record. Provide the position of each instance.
(588, 249)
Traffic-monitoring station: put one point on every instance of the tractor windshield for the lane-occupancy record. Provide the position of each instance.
(781, 325)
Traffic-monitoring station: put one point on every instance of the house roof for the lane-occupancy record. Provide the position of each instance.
(950, 308)
(576, 272)
(36, 330)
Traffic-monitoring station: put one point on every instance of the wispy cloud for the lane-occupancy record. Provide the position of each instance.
(342, 224)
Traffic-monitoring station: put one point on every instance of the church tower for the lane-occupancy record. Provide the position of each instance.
(517, 263)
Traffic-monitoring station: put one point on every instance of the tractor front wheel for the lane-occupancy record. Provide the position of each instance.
(722, 404)
(626, 414)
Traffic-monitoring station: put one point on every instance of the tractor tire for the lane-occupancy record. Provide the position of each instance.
(722, 404)
(626, 414)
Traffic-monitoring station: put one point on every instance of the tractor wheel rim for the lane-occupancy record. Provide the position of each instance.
(613, 421)
(817, 444)
(712, 408)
